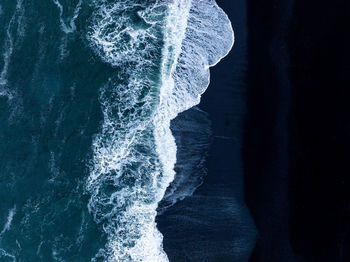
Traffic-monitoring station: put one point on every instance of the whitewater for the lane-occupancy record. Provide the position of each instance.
(161, 52)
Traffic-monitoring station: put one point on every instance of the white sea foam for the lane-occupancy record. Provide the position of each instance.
(3, 253)
(63, 47)
(8, 47)
(192, 133)
(162, 52)
(10, 216)
(54, 170)
(69, 27)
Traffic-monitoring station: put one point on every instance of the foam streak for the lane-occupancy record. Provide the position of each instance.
(9, 42)
(70, 27)
(162, 53)
(10, 216)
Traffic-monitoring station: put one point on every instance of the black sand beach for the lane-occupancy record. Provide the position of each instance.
(87, 93)
(320, 130)
(214, 224)
(297, 135)
(279, 109)
(266, 131)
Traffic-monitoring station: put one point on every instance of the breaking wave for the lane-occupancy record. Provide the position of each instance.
(161, 52)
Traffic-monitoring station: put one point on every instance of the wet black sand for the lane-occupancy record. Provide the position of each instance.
(297, 145)
(214, 224)
(279, 106)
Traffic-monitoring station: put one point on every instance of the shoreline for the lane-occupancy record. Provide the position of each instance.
(207, 225)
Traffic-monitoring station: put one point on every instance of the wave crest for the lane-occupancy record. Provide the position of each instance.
(161, 52)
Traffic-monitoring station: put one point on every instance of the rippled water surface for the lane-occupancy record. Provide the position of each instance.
(87, 93)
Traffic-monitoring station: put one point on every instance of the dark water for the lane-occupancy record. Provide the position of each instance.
(87, 93)
(48, 118)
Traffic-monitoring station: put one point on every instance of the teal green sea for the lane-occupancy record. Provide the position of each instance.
(87, 93)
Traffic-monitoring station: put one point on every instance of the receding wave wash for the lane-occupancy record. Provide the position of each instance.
(162, 52)
(157, 54)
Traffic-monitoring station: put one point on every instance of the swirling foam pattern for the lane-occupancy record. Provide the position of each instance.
(161, 51)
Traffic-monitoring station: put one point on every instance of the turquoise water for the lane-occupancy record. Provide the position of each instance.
(87, 93)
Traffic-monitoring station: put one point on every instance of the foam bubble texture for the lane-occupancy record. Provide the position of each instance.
(161, 52)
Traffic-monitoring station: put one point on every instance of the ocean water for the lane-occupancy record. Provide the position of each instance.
(88, 90)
